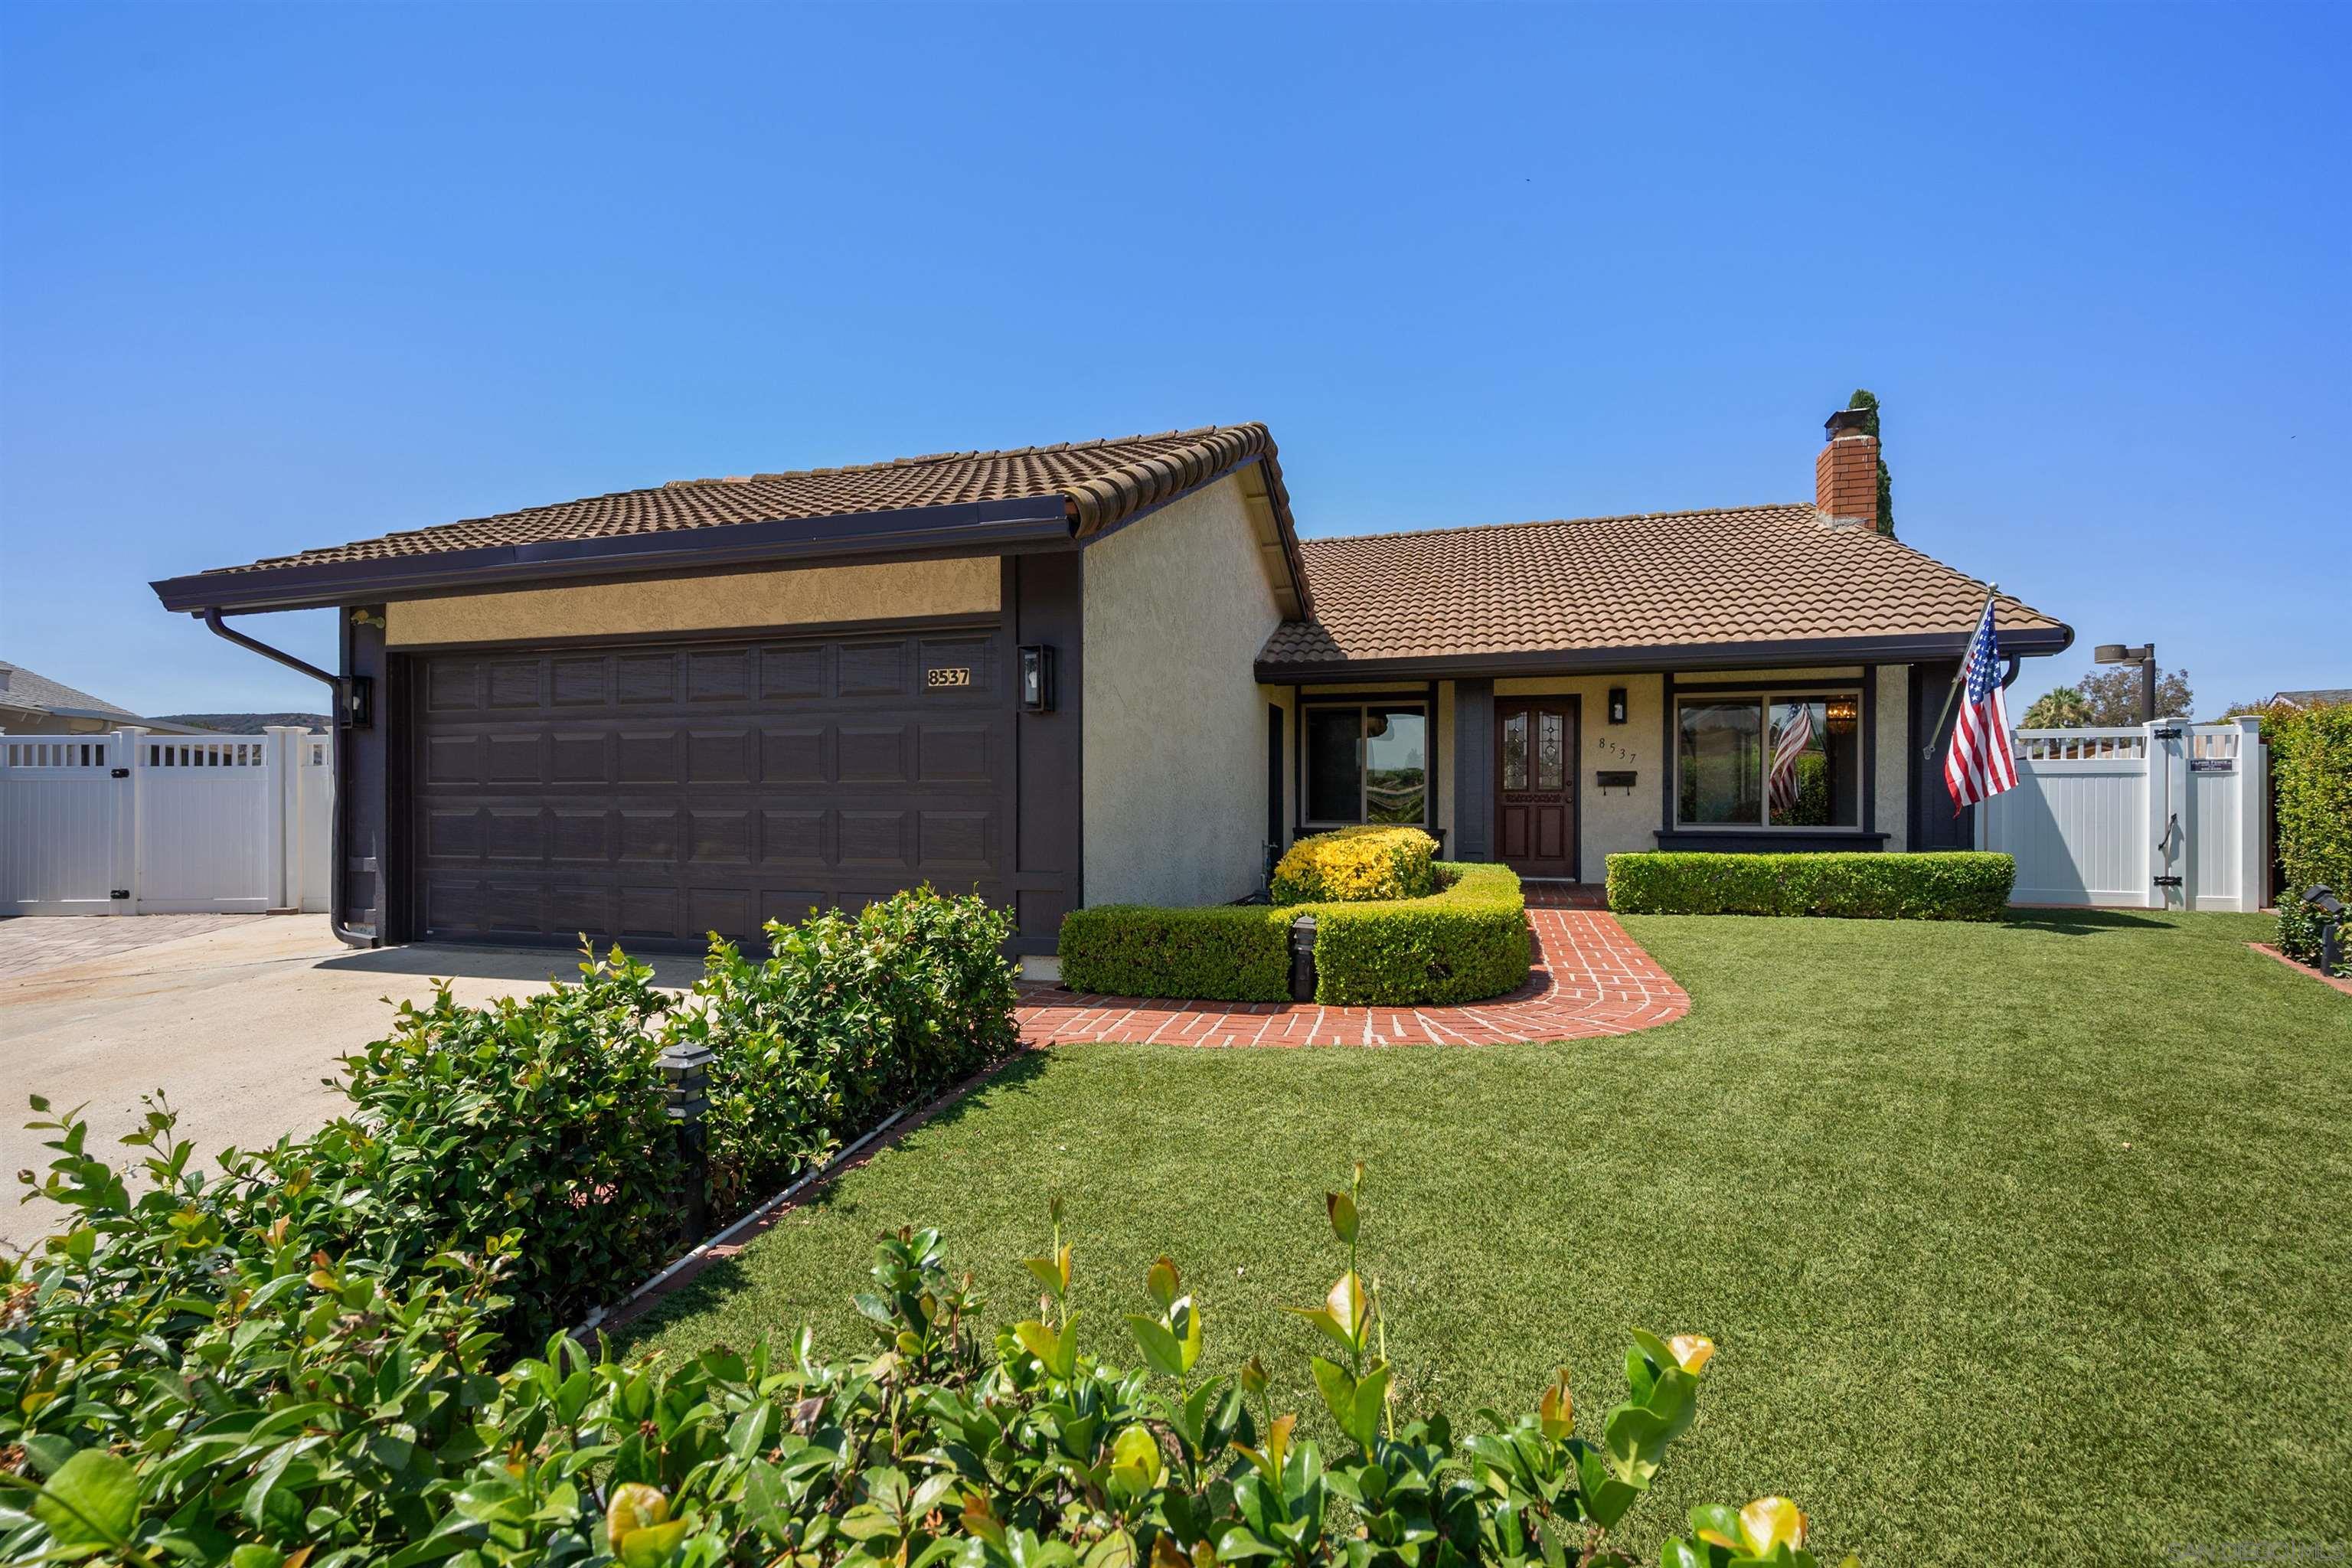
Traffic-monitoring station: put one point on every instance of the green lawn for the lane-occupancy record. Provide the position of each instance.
(2024, 1244)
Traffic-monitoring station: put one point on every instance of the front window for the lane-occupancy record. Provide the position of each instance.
(1774, 760)
(1366, 763)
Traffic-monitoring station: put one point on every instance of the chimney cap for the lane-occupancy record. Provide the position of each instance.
(1854, 419)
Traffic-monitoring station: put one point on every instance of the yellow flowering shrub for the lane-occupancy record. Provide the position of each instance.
(1354, 865)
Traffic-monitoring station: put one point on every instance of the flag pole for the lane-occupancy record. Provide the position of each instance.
(1952, 692)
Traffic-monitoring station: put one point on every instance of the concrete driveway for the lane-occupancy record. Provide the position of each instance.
(236, 1025)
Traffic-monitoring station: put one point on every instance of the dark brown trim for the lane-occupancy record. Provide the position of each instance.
(981, 528)
(894, 625)
(1665, 658)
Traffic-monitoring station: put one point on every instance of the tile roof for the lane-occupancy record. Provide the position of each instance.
(2319, 697)
(20, 688)
(1101, 483)
(1742, 574)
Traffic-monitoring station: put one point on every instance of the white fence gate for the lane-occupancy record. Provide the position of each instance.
(2162, 815)
(131, 823)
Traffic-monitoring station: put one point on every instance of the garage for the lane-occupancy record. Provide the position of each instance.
(651, 792)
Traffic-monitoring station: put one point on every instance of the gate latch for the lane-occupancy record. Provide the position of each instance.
(2168, 881)
(119, 773)
(120, 893)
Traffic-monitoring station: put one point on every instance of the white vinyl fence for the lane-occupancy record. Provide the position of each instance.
(2162, 815)
(131, 823)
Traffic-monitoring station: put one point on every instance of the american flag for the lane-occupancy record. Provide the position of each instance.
(1979, 765)
(1796, 735)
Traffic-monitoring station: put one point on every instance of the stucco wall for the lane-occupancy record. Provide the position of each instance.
(1893, 753)
(809, 596)
(1176, 607)
(1612, 822)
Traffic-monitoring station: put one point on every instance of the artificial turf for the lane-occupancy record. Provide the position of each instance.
(2027, 1243)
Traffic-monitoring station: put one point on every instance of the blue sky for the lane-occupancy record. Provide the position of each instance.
(272, 278)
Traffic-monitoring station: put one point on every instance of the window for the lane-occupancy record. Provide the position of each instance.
(1773, 760)
(1366, 763)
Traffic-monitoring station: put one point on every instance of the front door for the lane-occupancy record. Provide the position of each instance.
(1535, 785)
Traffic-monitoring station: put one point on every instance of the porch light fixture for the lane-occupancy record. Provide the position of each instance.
(1616, 705)
(1842, 709)
(1038, 678)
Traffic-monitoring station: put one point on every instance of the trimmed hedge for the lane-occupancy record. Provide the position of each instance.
(1353, 864)
(1961, 885)
(1463, 943)
(1227, 953)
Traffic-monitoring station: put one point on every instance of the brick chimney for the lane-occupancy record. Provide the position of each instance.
(1845, 474)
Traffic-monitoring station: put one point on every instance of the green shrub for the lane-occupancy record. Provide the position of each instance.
(2311, 773)
(536, 1127)
(1229, 954)
(848, 1018)
(1961, 885)
(1463, 943)
(1357, 863)
(176, 1392)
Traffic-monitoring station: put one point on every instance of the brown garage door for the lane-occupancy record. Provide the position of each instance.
(653, 793)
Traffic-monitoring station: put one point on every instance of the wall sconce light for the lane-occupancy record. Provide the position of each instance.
(1616, 705)
(1038, 678)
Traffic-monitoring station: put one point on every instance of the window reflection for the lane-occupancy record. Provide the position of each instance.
(1366, 763)
(1721, 747)
(1396, 777)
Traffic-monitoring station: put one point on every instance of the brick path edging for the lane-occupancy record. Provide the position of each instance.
(1588, 979)
(2304, 968)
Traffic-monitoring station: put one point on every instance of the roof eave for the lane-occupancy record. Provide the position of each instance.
(979, 528)
(2028, 642)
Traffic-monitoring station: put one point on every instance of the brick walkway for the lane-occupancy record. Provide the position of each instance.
(30, 943)
(1589, 979)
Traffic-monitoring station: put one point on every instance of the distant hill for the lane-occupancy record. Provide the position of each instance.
(244, 723)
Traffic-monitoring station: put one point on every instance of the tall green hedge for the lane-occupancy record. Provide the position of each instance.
(1464, 942)
(1962, 885)
(2310, 763)
(1226, 954)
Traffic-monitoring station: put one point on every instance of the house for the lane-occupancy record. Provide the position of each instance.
(33, 704)
(1106, 671)
(2321, 697)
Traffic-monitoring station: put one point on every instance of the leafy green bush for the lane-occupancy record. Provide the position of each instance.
(2311, 773)
(173, 1391)
(848, 1018)
(1228, 953)
(536, 1127)
(1463, 943)
(1357, 863)
(1959, 885)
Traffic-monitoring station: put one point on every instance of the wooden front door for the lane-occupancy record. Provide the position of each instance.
(1535, 785)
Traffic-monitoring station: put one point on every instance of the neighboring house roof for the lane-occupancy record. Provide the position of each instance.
(1725, 581)
(2319, 697)
(21, 688)
(1086, 486)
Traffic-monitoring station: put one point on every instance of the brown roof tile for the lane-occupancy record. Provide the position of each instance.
(1743, 575)
(1101, 482)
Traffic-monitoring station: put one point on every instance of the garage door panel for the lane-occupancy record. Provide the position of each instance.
(873, 669)
(870, 753)
(651, 793)
(790, 675)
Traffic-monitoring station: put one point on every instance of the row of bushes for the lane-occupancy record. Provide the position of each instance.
(1464, 942)
(535, 1129)
(178, 1387)
(2311, 775)
(1960, 885)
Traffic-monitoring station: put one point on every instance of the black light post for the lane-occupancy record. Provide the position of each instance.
(2143, 656)
(2331, 927)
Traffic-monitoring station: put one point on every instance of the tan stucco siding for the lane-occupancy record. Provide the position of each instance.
(809, 596)
(1176, 607)
(1893, 754)
(1616, 821)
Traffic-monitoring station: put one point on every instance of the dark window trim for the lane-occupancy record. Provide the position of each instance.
(1303, 824)
(1863, 686)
